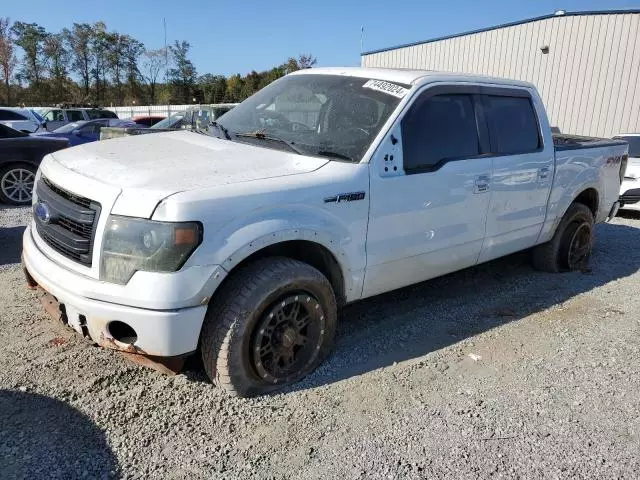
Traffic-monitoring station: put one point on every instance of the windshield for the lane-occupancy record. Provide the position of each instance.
(634, 145)
(169, 122)
(328, 115)
(69, 127)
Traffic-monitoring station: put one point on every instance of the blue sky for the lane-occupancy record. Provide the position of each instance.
(236, 37)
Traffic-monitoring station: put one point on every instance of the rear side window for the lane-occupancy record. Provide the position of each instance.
(107, 114)
(11, 115)
(513, 125)
(438, 128)
(95, 114)
(75, 115)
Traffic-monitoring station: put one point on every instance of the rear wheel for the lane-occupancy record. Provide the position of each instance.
(570, 247)
(16, 183)
(272, 323)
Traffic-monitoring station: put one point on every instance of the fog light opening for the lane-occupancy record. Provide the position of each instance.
(122, 332)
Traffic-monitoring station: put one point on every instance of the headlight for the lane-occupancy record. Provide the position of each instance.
(132, 244)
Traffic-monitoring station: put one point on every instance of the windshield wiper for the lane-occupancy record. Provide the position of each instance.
(222, 129)
(329, 153)
(262, 135)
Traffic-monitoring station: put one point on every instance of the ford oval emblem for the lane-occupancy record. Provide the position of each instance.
(42, 212)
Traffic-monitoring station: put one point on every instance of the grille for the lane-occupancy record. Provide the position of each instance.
(70, 228)
(72, 197)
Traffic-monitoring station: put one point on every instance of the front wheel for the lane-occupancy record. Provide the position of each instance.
(272, 323)
(16, 183)
(570, 247)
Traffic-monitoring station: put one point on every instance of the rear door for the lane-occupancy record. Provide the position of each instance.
(523, 168)
(429, 191)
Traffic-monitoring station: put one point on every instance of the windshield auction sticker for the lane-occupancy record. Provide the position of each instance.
(386, 87)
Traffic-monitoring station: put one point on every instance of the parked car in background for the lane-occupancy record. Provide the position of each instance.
(55, 118)
(630, 188)
(173, 122)
(325, 187)
(81, 132)
(147, 120)
(20, 156)
(197, 118)
(21, 119)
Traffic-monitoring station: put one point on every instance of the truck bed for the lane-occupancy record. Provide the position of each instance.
(563, 141)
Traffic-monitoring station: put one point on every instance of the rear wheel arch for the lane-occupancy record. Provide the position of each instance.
(590, 198)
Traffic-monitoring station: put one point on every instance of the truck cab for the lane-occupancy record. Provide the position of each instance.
(326, 187)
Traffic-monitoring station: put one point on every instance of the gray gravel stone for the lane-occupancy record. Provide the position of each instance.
(554, 396)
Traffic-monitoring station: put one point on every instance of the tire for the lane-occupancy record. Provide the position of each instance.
(16, 183)
(272, 323)
(570, 247)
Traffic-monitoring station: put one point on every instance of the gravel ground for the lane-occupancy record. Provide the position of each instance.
(496, 371)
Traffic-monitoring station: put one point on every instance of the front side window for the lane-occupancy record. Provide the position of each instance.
(319, 115)
(513, 124)
(439, 128)
(54, 116)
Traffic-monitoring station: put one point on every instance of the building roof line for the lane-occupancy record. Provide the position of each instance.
(505, 25)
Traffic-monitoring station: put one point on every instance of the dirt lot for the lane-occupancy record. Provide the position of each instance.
(496, 371)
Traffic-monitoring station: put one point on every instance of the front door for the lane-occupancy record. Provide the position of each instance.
(430, 191)
(522, 172)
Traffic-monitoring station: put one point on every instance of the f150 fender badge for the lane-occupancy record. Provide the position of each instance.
(345, 197)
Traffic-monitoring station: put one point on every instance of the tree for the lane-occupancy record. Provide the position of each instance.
(79, 40)
(303, 61)
(234, 88)
(30, 37)
(213, 87)
(58, 63)
(99, 45)
(152, 65)
(183, 74)
(133, 49)
(7, 58)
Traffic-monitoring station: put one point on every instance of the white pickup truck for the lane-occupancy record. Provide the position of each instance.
(630, 188)
(326, 187)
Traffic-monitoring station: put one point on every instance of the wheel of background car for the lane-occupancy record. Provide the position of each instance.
(272, 323)
(16, 183)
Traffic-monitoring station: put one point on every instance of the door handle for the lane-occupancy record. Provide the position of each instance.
(543, 173)
(481, 184)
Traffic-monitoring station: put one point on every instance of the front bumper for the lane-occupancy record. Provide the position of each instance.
(160, 333)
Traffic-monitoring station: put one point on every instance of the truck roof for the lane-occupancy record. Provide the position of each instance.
(409, 76)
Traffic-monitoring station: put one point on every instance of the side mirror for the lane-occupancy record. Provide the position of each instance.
(77, 132)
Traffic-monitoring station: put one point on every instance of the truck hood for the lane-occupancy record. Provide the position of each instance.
(148, 168)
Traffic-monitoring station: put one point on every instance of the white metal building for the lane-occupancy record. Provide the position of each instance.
(586, 65)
